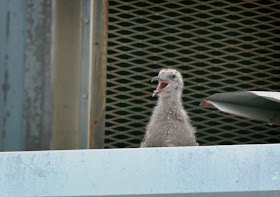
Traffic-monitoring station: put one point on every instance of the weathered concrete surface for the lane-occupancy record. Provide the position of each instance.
(228, 171)
(38, 103)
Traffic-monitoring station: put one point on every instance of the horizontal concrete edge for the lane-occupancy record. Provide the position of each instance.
(150, 171)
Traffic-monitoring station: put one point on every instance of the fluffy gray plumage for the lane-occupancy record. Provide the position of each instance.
(169, 125)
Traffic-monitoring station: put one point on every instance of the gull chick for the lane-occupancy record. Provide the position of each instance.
(169, 124)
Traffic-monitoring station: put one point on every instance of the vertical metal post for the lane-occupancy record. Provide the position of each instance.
(81, 44)
(67, 73)
(99, 67)
(85, 73)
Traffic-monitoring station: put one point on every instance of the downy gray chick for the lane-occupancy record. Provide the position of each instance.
(169, 125)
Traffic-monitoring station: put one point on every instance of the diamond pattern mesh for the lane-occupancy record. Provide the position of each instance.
(219, 46)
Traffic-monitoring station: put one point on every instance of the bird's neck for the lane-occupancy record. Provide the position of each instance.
(170, 101)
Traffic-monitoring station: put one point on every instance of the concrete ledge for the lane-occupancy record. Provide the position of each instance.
(251, 170)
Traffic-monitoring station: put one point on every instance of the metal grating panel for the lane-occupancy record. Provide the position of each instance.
(219, 46)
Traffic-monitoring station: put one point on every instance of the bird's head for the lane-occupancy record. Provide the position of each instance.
(170, 83)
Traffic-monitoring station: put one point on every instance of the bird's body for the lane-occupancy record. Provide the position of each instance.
(169, 125)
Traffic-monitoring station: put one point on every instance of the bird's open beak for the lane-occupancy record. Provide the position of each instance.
(161, 85)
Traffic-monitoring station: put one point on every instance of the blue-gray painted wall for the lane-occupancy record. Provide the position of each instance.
(25, 72)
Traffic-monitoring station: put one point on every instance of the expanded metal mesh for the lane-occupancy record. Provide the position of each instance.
(219, 46)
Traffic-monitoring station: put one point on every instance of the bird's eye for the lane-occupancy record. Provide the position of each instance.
(173, 76)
